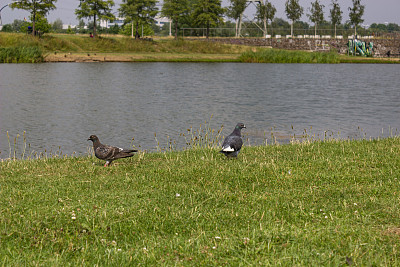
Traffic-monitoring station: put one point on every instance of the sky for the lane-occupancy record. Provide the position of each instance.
(375, 11)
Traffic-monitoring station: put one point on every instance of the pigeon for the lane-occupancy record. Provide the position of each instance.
(109, 153)
(233, 142)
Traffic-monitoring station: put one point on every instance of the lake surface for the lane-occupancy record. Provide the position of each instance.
(60, 105)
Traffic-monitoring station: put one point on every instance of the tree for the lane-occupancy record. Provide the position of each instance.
(91, 26)
(378, 27)
(189, 19)
(138, 12)
(175, 10)
(36, 8)
(127, 29)
(69, 30)
(95, 9)
(356, 13)
(41, 25)
(335, 14)
(280, 23)
(265, 11)
(57, 25)
(316, 14)
(81, 24)
(7, 28)
(18, 25)
(208, 13)
(293, 11)
(235, 11)
(393, 27)
(82, 28)
(114, 29)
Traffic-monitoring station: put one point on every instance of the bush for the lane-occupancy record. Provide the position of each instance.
(127, 30)
(284, 56)
(21, 55)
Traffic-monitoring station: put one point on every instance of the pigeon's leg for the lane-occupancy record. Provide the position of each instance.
(107, 163)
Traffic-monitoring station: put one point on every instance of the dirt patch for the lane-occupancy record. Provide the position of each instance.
(88, 57)
(392, 231)
(138, 57)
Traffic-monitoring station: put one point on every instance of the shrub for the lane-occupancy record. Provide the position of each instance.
(284, 56)
(21, 55)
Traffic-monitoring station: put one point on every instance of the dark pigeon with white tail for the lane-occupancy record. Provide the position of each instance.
(109, 153)
(233, 142)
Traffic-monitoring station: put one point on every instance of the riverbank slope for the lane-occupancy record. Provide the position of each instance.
(18, 48)
(78, 48)
(309, 204)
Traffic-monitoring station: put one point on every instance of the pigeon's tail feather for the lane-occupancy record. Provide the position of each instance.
(228, 149)
(124, 155)
(130, 150)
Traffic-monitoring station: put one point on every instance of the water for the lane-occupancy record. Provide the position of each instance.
(60, 105)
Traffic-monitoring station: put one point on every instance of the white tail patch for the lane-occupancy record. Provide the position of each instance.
(228, 149)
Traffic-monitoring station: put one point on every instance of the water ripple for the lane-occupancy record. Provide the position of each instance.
(61, 104)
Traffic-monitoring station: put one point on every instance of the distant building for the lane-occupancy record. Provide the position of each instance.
(67, 26)
(160, 21)
(107, 24)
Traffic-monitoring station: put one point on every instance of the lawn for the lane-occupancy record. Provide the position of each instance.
(333, 202)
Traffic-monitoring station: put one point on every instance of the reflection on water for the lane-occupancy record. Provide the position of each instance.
(60, 104)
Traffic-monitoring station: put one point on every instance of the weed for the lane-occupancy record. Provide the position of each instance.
(285, 56)
(21, 55)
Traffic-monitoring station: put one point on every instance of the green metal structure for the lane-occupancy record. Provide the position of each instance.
(359, 48)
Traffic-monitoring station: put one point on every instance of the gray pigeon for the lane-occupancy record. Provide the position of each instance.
(233, 142)
(109, 153)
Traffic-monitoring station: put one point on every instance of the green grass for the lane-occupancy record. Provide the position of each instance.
(82, 43)
(288, 56)
(369, 60)
(21, 55)
(53, 47)
(307, 204)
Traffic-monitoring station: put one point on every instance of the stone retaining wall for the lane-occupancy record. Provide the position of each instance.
(381, 46)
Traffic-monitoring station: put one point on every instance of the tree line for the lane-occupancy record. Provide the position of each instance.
(207, 14)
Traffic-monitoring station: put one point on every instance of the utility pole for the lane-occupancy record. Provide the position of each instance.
(170, 27)
(254, 2)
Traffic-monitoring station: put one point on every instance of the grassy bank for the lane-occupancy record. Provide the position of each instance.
(292, 56)
(79, 43)
(79, 48)
(288, 56)
(368, 60)
(21, 55)
(60, 47)
(320, 203)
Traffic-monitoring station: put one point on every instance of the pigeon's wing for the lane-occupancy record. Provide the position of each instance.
(111, 152)
(104, 152)
(120, 153)
(232, 143)
(127, 150)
